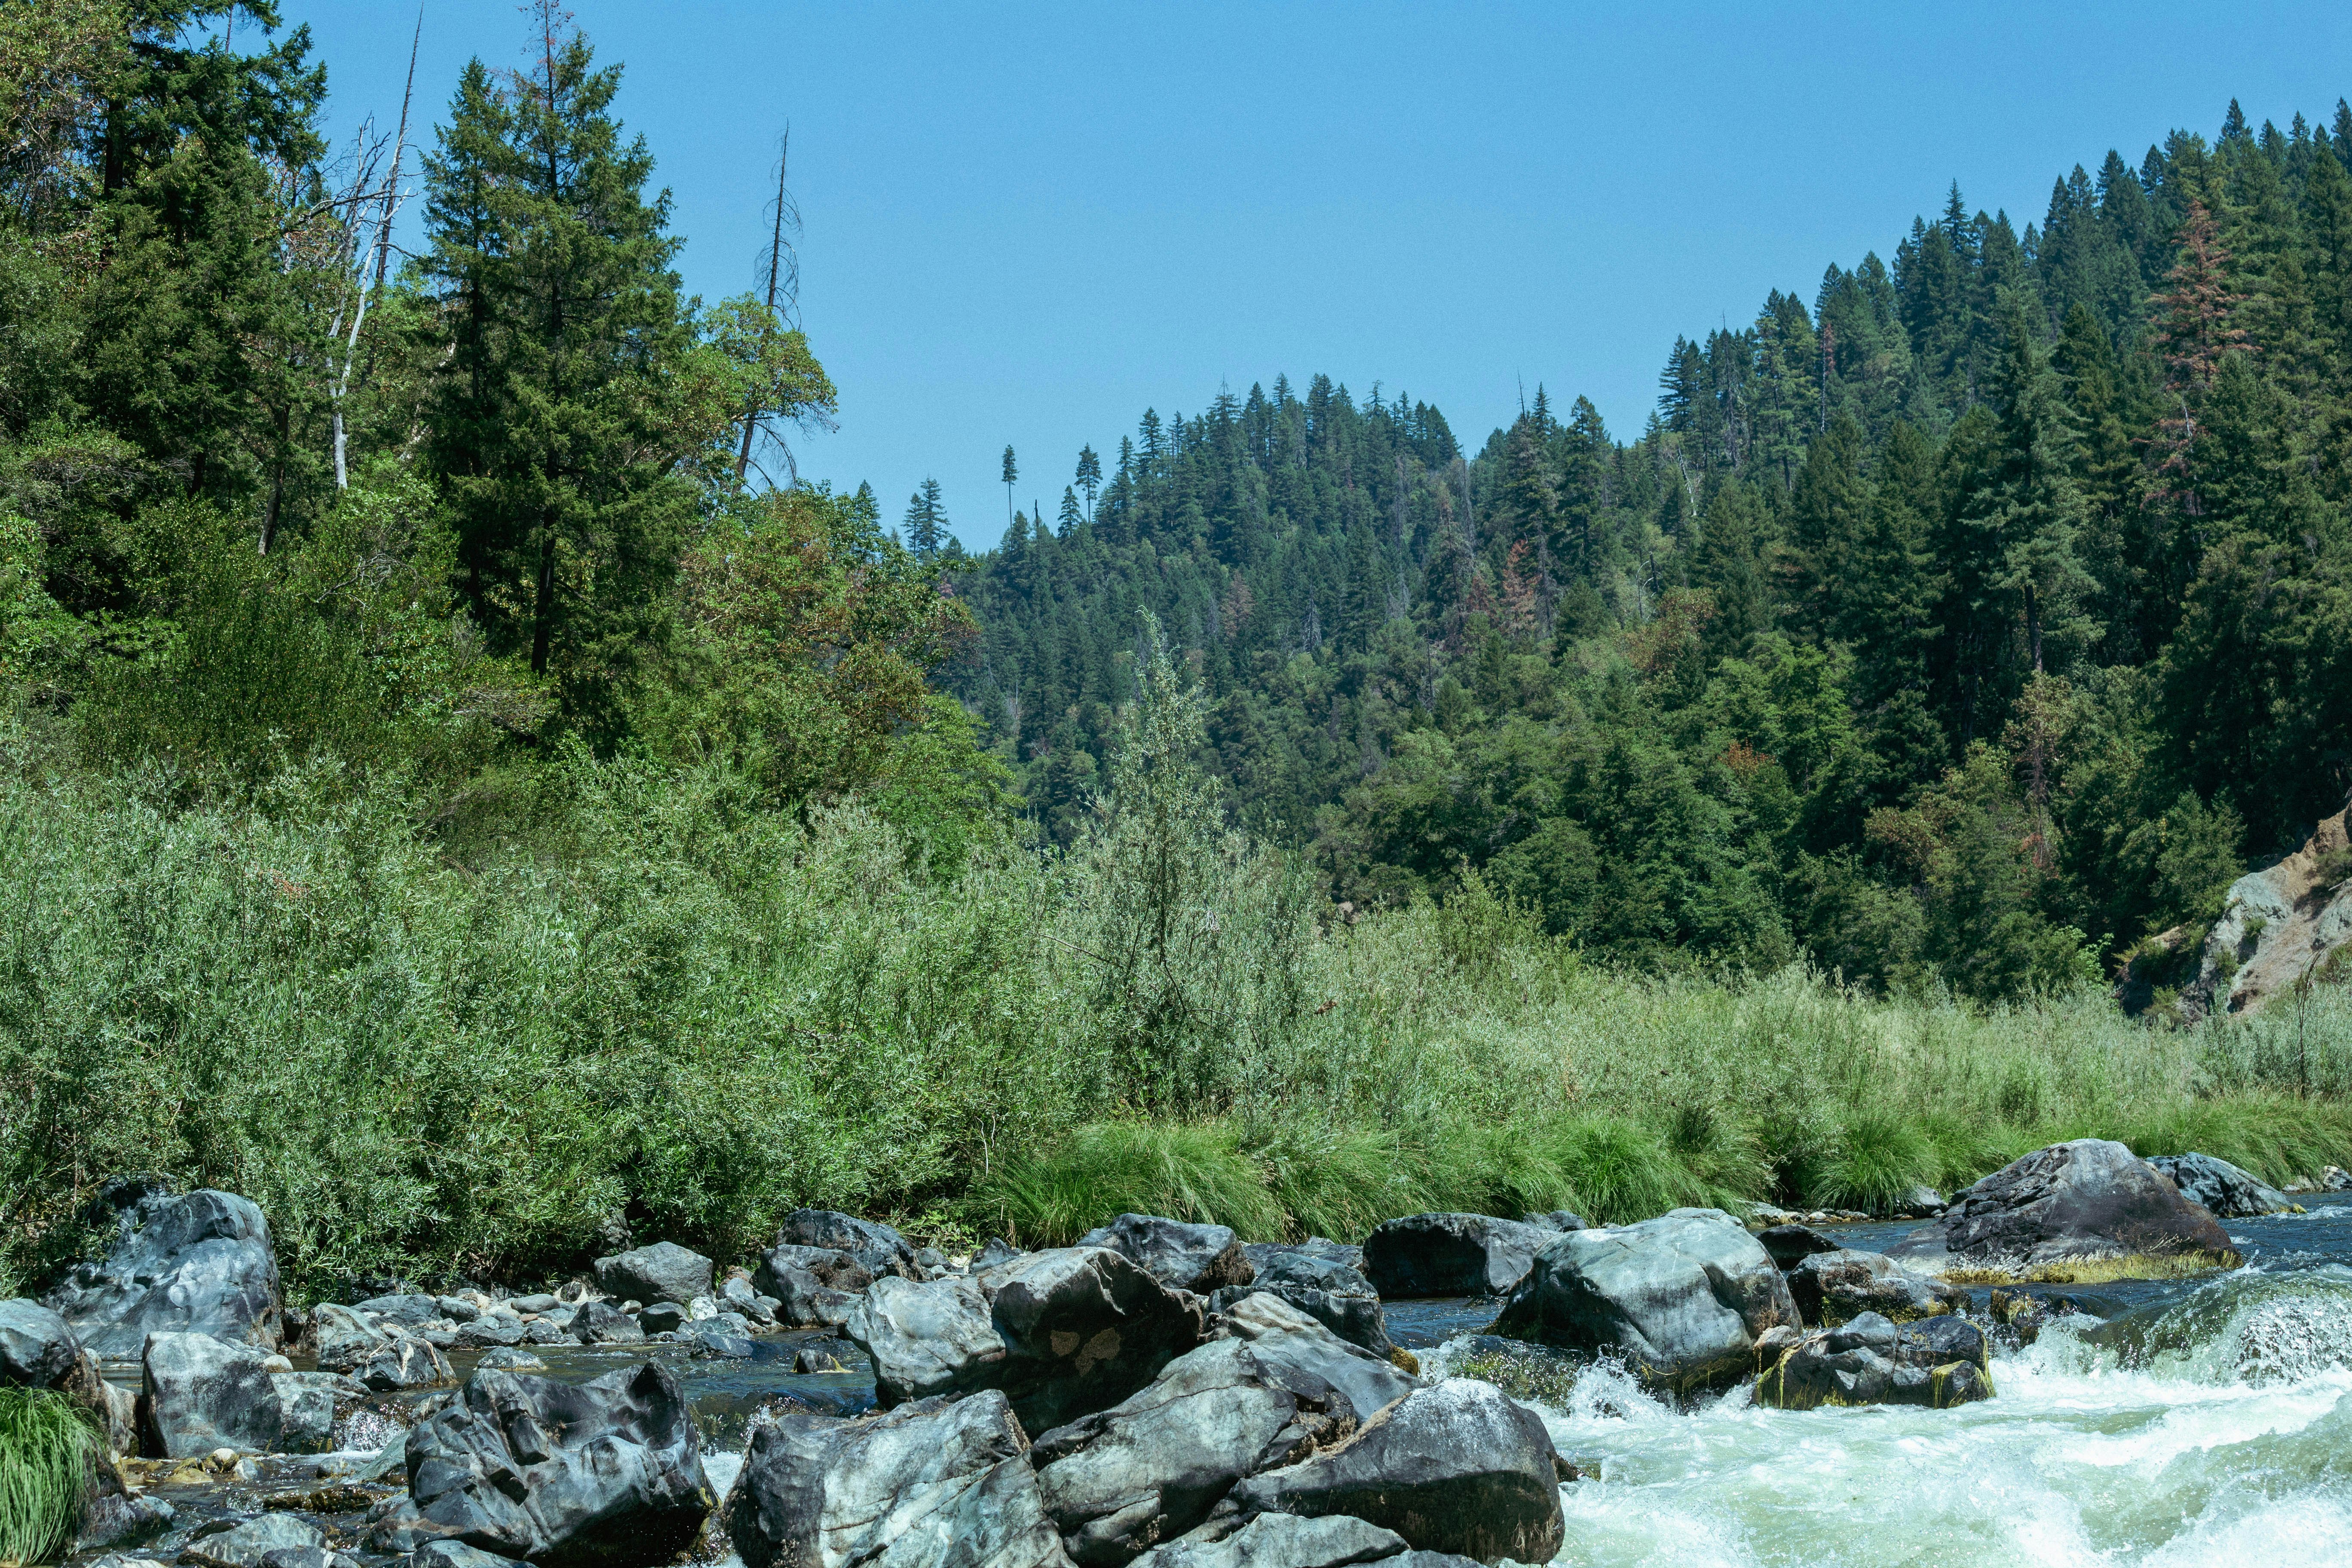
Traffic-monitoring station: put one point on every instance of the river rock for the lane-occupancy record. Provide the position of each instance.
(1832, 1286)
(929, 1483)
(1456, 1467)
(200, 1394)
(662, 1272)
(1063, 1332)
(307, 1403)
(604, 1472)
(1286, 1540)
(2088, 1200)
(1939, 1362)
(998, 1250)
(814, 1287)
(509, 1358)
(37, 1348)
(1149, 1468)
(409, 1309)
(343, 1337)
(2229, 1191)
(199, 1264)
(1684, 1298)
(737, 1294)
(721, 1336)
(405, 1361)
(1451, 1255)
(250, 1544)
(1561, 1220)
(881, 1249)
(1202, 1258)
(458, 1554)
(1283, 1336)
(1332, 1293)
(603, 1323)
(1260, 1253)
(1789, 1245)
(490, 1329)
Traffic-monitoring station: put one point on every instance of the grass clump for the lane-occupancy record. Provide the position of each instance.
(1879, 1158)
(46, 1444)
(1195, 1172)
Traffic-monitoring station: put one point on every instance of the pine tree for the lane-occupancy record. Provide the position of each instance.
(926, 524)
(1090, 476)
(2196, 326)
(1012, 473)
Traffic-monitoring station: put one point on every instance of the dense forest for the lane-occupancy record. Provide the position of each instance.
(1970, 624)
(457, 789)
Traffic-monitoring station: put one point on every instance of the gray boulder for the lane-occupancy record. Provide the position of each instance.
(603, 1323)
(405, 1361)
(1830, 1288)
(1202, 1258)
(1259, 1252)
(737, 1294)
(881, 1249)
(932, 1484)
(307, 1405)
(1682, 1297)
(814, 1287)
(458, 1554)
(2090, 1200)
(2229, 1191)
(607, 1472)
(1331, 1293)
(662, 1318)
(411, 1311)
(37, 1348)
(1286, 1540)
(1451, 1255)
(1151, 1467)
(1456, 1467)
(1062, 1332)
(1789, 1245)
(998, 1250)
(199, 1393)
(1286, 1337)
(1939, 1362)
(249, 1544)
(199, 1264)
(344, 1339)
(539, 1302)
(719, 1337)
(1562, 1220)
(662, 1272)
(491, 1330)
(509, 1358)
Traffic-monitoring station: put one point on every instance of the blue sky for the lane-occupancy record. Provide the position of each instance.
(1026, 225)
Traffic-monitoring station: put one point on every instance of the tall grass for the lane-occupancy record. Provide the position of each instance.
(46, 1444)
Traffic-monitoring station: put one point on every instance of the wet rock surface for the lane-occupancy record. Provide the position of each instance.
(2088, 1200)
(1939, 1362)
(202, 1263)
(1202, 1258)
(1332, 1292)
(1684, 1298)
(1831, 1287)
(2229, 1191)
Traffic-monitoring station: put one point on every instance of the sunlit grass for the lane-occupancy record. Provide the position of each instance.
(46, 1448)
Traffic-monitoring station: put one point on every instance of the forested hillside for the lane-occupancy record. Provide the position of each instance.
(1969, 623)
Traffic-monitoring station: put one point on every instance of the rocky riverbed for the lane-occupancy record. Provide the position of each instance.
(1171, 1396)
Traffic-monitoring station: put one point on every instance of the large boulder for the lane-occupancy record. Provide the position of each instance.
(932, 1484)
(1261, 1253)
(307, 1405)
(603, 1323)
(1682, 1297)
(662, 1272)
(199, 1393)
(1283, 1336)
(1789, 1245)
(410, 1309)
(382, 1355)
(2087, 1201)
(1333, 1293)
(881, 1249)
(587, 1474)
(199, 1264)
(1456, 1467)
(250, 1544)
(1452, 1254)
(1062, 1332)
(37, 1348)
(1202, 1258)
(1286, 1540)
(2231, 1192)
(815, 1286)
(1939, 1362)
(1832, 1286)
(1151, 1467)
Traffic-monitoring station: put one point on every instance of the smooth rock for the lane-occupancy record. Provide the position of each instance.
(458, 1554)
(411, 1310)
(879, 1248)
(719, 1337)
(1830, 1288)
(307, 1402)
(1331, 1292)
(1939, 1362)
(737, 1294)
(2229, 1191)
(1682, 1297)
(662, 1272)
(1202, 1258)
(601, 1323)
(113, 1519)
(932, 1484)
(1149, 1468)
(509, 1358)
(998, 1250)
(200, 1394)
(607, 1472)
(38, 1347)
(486, 1331)
(1789, 1245)
(662, 1318)
(1561, 1220)
(1286, 1540)
(407, 1361)
(2088, 1200)
(544, 1331)
(1451, 1255)
(540, 1302)
(244, 1545)
(344, 1340)
(1260, 1252)
(1283, 1336)
(1456, 1467)
(814, 1287)
(456, 1308)
(199, 1264)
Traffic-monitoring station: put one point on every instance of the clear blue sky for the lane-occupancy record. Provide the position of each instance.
(1027, 224)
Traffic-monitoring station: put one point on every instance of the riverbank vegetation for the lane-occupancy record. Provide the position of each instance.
(445, 797)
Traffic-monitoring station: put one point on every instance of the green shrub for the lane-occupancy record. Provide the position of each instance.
(46, 1444)
(1189, 1171)
(1878, 1159)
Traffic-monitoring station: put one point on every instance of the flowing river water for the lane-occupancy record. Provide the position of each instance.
(2181, 1422)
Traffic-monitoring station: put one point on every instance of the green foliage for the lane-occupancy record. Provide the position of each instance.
(46, 1446)
(1186, 1171)
(1878, 1159)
